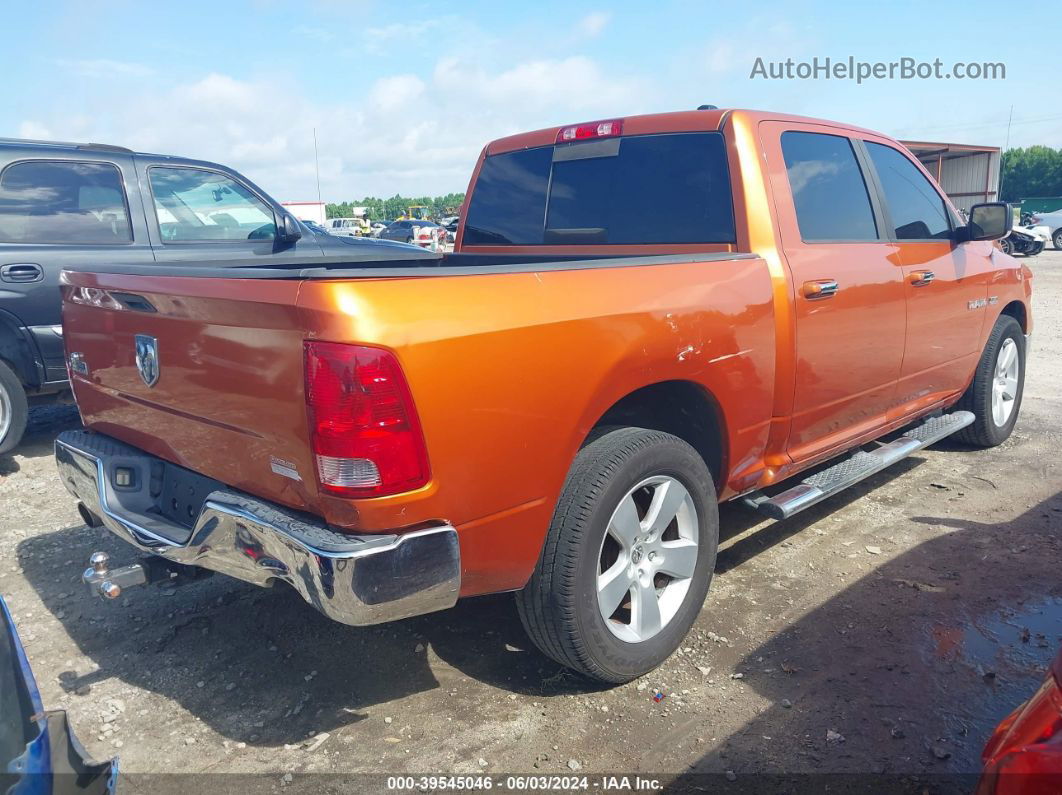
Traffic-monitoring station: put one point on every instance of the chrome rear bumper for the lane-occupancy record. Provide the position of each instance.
(357, 580)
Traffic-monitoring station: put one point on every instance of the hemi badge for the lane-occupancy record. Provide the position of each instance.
(285, 468)
(77, 363)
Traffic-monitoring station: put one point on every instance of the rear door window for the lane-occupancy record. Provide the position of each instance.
(917, 211)
(646, 189)
(829, 192)
(53, 201)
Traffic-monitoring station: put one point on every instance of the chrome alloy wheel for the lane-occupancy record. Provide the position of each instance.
(6, 412)
(1005, 382)
(647, 558)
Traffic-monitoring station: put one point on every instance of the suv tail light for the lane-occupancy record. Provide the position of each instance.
(364, 429)
(594, 129)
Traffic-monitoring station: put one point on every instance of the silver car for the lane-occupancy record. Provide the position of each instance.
(1052, 221)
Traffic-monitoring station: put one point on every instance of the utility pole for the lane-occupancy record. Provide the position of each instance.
(1003, 154)
(317, 163)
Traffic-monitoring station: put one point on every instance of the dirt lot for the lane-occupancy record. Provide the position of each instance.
(885, 631)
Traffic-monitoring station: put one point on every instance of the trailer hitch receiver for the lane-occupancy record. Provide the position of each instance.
(110, 583)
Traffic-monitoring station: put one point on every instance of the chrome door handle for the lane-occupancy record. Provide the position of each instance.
(921, 278)
(819, 289)
(21, 272)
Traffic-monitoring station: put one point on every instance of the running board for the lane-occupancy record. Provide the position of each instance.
(856, 467)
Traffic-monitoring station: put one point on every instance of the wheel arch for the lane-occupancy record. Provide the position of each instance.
(685, 409)
(1017, 310)
(18, 351)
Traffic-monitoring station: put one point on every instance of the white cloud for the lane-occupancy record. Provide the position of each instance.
(314, 34)
(411, 133)
(593, 23)
(35, 131)
(103, 67)
(392, 93)
(377, 39)
(772, 40)
(566, 84)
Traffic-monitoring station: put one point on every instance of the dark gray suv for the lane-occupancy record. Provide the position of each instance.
(72, 206)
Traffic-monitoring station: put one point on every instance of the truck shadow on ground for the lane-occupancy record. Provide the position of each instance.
(44, 425)
(261, 666)
(911, 667)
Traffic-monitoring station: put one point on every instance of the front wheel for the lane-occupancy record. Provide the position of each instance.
(1006, 245)
(628, 557)
(994, 397)
(1057, 239)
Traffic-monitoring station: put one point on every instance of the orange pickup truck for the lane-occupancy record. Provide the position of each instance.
(642, 317)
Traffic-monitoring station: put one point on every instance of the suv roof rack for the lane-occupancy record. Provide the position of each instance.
(67, 145)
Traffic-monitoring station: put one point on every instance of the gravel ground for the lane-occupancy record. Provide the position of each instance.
(886, 630)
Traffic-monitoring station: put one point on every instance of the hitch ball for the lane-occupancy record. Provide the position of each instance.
(108, 583)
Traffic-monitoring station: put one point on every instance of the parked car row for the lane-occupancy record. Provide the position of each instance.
(419, 232)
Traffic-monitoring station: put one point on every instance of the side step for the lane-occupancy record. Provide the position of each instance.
(856, 467)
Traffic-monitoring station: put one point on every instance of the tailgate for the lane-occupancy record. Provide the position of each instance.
(219, 386)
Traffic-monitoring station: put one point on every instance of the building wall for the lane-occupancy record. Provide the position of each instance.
(307, 211)
(969, 179)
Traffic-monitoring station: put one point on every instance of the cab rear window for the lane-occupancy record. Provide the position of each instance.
(645, 189)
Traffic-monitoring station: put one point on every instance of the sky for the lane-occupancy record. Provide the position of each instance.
(403, 95)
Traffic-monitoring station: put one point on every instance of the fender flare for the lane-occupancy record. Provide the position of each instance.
(18, 349)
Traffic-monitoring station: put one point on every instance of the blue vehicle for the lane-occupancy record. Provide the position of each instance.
(39, 754)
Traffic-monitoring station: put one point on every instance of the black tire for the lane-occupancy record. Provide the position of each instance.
(1006, 246)
(559, 605)
(14, 411)
(984, 432)
(1057, 239)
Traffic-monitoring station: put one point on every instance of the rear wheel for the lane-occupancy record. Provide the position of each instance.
(628, 558)
(1057, 239)
(1006, 245)
(994, 397)
(14, 410)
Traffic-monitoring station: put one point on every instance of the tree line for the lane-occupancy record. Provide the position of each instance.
(1035, 171)
(389, 209)
(1032, 171)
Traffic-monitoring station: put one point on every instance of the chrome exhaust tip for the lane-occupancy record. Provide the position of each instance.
(88, 517)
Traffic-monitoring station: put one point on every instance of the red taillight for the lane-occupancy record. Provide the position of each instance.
(364, 429)
(1024, 756)
(594, 129)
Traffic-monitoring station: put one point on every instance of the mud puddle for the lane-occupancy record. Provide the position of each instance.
(1008, 650)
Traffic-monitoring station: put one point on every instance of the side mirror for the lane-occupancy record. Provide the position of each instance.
(288, 230)
(989, 221)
